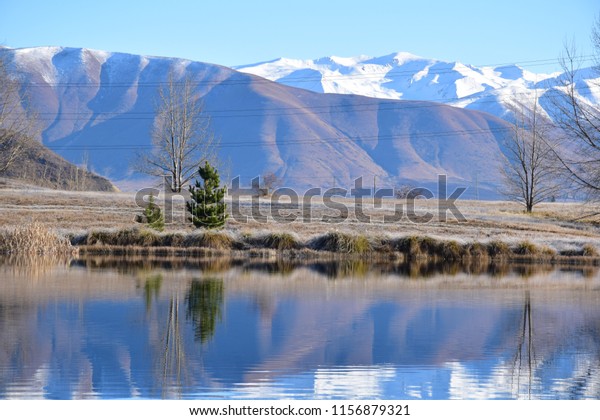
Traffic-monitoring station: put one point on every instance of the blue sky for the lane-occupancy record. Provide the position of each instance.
(232, 32)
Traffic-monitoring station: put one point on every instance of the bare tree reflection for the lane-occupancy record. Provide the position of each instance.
(525, 358)
(173, 359)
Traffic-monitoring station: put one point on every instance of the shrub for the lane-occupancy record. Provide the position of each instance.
(498, 249)
(526, 248)
(124, 237)
(216, 240)
(589, 250)
(342, 242)
(410, 245)
(100, 238)
(478, 250)
(547, 251)
(450, 250)
(173, 239)
(279, 240)
(571, 253)
(429, 247)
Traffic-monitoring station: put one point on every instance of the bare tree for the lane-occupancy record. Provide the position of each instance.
(15, 123)
(271, 181)
(579, 119)
(528, 165)
(181, 135)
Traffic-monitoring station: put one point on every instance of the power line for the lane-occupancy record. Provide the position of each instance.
(370, 105)
(319, 140)
(242, 77)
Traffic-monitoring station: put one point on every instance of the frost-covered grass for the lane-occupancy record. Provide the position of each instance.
(563, 228)
(135, 241)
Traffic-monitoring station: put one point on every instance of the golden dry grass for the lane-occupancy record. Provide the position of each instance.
(33, 239)
(556, 226)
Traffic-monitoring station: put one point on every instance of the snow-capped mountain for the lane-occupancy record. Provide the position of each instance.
(409, 77)
(100, 106)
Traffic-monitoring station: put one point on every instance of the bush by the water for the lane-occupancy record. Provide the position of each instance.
(33, 239)
(277, 240)
(342, 242)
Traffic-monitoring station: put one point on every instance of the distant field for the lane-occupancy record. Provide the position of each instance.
(558, 225)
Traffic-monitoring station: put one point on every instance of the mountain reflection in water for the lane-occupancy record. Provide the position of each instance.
(109, 328)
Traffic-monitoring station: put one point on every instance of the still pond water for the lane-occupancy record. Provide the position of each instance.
(122, 329)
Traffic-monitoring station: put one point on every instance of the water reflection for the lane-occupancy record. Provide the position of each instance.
(524, 361)
(152, 289)
(105, 330)
(335, 268)
(33, 266)
(204, 301)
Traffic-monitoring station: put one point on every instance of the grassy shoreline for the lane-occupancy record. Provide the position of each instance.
(333, 244)
(103, 224)
(37, 239)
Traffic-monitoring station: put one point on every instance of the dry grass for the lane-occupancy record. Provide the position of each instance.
(276, 240)
(136, 237)
(554, 224)
(410, 248)
(589, 250)
(217, 240)
(478, 250)
(416, 247)
(494, 230)
(342, 242)
(124, 237)
(33, 239)
(498, 249)
(526, 248)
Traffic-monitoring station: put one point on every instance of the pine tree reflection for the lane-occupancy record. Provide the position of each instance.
(204, 302)
(152, 289)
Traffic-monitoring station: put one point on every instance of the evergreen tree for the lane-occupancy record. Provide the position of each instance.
(153, 216)
(207, 205)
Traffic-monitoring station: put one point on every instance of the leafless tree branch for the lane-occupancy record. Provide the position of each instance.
(181, 135)
(579, 120)
(528, 170)
(16, 123)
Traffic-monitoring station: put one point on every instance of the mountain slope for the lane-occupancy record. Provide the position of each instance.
(409, 77)
(102, 104)
(41, 167)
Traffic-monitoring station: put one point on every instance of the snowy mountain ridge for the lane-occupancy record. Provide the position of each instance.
(492, 89)
(99, 107)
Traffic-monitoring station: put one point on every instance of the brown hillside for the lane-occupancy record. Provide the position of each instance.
(39, 166)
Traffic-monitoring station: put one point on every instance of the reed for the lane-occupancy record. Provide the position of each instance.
(34, 239)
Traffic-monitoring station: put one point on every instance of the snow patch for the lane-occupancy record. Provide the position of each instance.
(408, 76)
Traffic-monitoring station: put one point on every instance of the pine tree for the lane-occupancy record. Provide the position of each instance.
(153, 216)
(207, 205)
